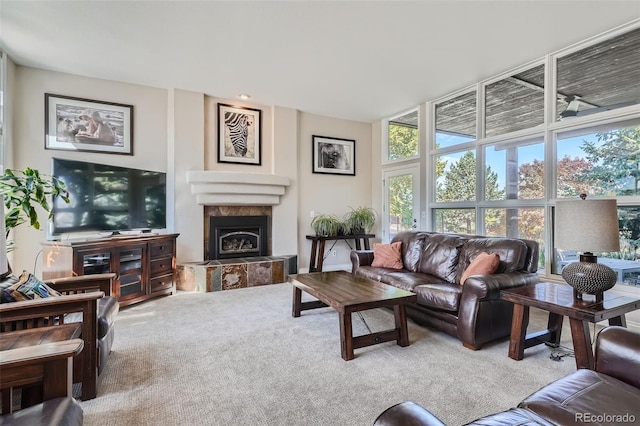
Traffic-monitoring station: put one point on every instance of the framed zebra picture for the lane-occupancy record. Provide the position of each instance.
(239, 135)
(334, 156)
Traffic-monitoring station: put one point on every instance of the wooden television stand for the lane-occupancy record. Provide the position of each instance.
(144, 264)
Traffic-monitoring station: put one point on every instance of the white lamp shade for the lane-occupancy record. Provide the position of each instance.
(587, 225)
(4, 264)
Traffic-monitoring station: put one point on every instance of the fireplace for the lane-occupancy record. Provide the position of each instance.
(238, 236)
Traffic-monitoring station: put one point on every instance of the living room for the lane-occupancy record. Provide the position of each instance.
(176, 128)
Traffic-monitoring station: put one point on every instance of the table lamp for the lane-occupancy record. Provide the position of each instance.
(587, 226)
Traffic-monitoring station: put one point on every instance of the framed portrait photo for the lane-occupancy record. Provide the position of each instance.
(77, 124)
(334, 156)
(239, 135)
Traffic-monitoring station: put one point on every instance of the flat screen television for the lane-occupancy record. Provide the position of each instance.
(108, 198)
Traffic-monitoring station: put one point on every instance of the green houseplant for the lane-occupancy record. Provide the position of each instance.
(23, 191)
(326, 225)
(360, 220)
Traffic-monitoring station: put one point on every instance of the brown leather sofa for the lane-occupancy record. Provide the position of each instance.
(610, 395)
(432, 266)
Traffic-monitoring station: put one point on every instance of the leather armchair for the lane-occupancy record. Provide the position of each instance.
(612, 389)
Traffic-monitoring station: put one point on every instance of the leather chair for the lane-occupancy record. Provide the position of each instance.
(108, 307)
(612, 389)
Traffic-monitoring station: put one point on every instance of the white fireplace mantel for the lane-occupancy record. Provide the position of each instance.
(213, 188)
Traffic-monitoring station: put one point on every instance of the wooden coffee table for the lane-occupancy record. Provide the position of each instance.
(347, 293)
(558, 300)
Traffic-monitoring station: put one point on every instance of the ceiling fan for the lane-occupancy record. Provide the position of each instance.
(575, 101)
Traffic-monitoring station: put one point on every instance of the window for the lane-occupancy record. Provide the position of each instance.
(458, 221)
(456, 120)
(456, 179)
(498, 183)
(515, 103)
(515, 171)
(527, 223)
(403, 137)
(599, 161)
(598, 78)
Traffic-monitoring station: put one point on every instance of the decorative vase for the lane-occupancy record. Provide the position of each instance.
(590, 278)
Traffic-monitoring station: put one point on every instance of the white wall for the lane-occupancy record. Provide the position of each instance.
(174, 132)
(186, 117)
(149, 134)
(285, 149)
(331, 194)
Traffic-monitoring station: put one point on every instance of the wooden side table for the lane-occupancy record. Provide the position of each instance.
(558, 300)
(317, 247)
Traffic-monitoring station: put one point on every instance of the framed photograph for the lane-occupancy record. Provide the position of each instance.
(334, 156)
(239, 135)
(76, 124)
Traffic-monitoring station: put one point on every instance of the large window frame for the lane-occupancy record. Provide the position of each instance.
(547, 132)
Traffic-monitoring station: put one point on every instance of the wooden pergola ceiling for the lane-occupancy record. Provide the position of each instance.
(600, 77)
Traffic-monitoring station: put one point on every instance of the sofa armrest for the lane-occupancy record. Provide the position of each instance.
(617, 354)
(360, 258)
(489, 286)
(84, 283)
(407, 413)
(482, 315)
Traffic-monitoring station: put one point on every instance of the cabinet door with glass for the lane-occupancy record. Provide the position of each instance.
(129, 264)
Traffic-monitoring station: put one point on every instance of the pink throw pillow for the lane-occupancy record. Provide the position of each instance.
(483, 264)
(387, 255)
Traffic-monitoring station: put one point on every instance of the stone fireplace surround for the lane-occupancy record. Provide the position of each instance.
(235, 194)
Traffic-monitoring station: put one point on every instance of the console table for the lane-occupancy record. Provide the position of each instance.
(318, 242)
(558, 300)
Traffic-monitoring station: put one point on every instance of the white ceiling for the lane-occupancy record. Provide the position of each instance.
(349, 59)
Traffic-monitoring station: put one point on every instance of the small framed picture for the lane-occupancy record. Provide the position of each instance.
(239, 135)
(77, 124)
(334, 156)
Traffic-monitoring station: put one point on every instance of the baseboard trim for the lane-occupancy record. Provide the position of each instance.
(326, 268)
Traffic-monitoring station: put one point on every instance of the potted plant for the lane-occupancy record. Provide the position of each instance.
(23, 191)
(326, 225)
(360, 220)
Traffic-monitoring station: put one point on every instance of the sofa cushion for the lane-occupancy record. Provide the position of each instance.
(108, 309)
(483, 264)
(6, 282)
(440, 254)
(412, 243)
(583, 393)
(441, 296)
(28, 287)
(408, 280)
(512, 252)
(387, 255)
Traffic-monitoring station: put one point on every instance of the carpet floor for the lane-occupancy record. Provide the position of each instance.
(238, 357)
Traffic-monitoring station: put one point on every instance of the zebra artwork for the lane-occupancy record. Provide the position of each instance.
(238, 131)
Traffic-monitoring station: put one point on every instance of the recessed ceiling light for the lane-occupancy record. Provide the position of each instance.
(244, 96)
